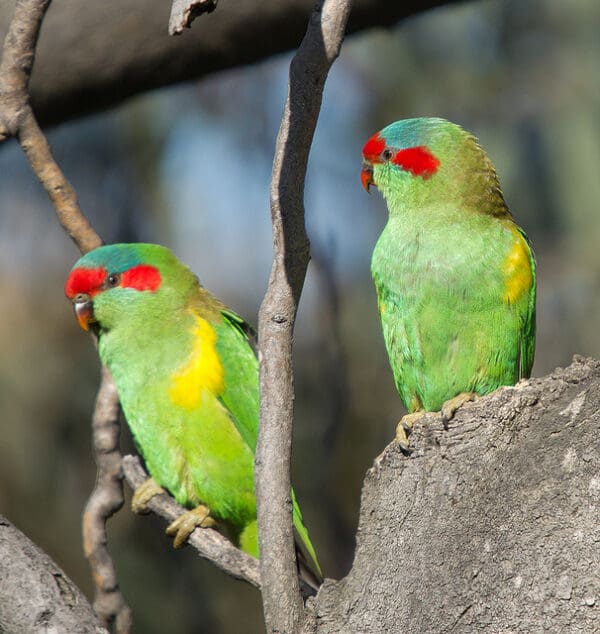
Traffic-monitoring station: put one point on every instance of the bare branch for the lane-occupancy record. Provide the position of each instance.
(17, 61)
(105, 500)
(184, 12)
(35, 594)
(61, 193)
(209, 543)
(321, 45)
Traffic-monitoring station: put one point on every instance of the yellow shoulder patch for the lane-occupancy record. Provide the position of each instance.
(201, 372)
(518, 276)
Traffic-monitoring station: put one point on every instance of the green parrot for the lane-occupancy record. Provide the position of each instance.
(454, 274)
(187, 378)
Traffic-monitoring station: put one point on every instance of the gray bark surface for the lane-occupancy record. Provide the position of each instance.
(35, 594)
(93, 55)
(491, 526)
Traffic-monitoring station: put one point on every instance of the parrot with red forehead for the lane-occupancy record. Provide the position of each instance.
(187, 380)
(454, 274)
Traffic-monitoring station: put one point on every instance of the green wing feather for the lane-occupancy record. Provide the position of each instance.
(240, 397)
(528, 330)
(240, 393)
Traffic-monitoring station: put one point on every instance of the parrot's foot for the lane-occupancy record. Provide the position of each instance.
(404, 428)
(143, 494)
(450, 407)
(185, 524)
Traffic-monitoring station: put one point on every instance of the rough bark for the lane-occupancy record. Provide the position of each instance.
(491, 526)
(92, 55)
(35, 594)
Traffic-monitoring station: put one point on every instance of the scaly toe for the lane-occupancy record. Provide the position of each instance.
(402, 438)
(404, 428)
(143, 494)
(181, 528)
(451, 406)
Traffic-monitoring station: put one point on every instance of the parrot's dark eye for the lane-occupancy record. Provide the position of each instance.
(387, 154)
(113, 279)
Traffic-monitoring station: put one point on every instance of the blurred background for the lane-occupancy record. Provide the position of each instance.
(189, 167)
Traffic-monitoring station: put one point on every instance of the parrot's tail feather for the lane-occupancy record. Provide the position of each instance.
(310, 579)
(308, 564)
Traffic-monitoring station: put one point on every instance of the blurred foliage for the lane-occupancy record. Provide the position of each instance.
(189, 167)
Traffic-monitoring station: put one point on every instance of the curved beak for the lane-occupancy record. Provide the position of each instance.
(366, 176)
(84, 311)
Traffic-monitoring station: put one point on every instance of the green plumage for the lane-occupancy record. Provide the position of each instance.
(455, 276)
(188, 383)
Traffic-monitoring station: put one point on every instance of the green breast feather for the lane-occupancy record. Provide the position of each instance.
(455, 276)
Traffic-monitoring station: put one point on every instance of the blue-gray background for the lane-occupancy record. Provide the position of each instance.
(189, 167)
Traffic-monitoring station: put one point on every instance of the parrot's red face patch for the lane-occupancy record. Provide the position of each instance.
(373, 149)
(142, 278)
(84, 281)
(419, 160)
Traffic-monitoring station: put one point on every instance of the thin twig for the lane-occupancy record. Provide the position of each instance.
(321, 45)
(105, 500)
(209, 543)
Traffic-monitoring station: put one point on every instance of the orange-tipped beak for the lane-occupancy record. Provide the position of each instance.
(366, 176)
(84, 311)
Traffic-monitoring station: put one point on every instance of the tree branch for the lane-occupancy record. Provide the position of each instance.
(209, 543)
(61, 193)
(308, 71)
(35, 594)
(106, 499)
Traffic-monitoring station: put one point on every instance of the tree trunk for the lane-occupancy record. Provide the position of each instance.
(493, 525)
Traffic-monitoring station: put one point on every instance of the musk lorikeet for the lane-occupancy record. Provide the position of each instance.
(454, 274)
(187, 379)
